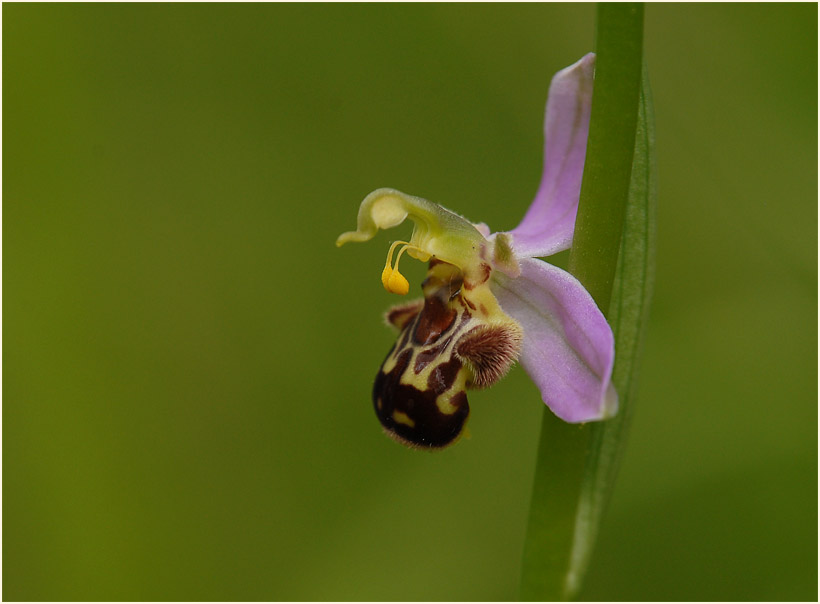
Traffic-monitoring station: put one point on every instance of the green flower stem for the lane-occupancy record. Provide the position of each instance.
(601, 211)
(548, 546)
(576, 463)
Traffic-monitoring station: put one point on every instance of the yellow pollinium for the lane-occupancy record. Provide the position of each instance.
(392, 279)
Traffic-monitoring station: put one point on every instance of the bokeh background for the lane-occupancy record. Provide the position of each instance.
(188, 358)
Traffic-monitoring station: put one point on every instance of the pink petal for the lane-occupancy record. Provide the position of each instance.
(549, 222)
(568, 348)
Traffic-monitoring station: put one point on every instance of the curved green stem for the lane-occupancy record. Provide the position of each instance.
(576, 464)
(608, 166)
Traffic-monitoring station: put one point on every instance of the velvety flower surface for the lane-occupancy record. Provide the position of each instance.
(488, 299)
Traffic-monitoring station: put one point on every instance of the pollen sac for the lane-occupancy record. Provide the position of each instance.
(456, 339)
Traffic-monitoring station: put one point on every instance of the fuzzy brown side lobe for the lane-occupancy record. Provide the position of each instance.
(490, 352)
(400, 315)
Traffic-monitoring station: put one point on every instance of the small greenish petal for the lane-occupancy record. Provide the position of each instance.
(438, 233)
(504, 257)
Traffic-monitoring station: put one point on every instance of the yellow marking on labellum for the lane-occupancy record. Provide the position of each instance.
(410, 378)
(445, 406)
(402, 418)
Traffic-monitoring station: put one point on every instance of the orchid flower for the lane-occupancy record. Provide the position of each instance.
(488, 299)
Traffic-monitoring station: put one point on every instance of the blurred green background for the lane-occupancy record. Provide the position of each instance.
(188, 358)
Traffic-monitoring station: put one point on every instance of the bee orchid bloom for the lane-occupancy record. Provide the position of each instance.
(488, 299)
